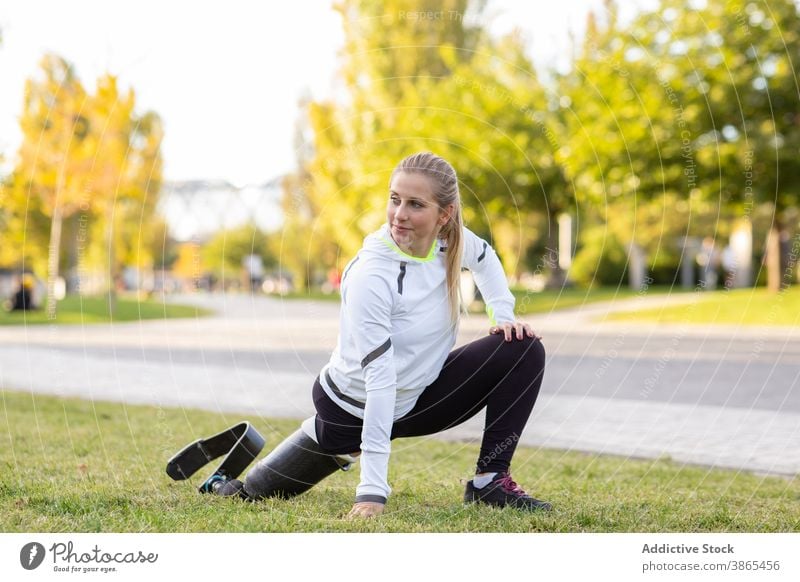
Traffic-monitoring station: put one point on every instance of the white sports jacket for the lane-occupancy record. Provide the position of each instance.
(395, 335)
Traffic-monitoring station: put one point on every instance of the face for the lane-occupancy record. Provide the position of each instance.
(414, 217)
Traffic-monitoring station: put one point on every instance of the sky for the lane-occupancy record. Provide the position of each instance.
(225, 79)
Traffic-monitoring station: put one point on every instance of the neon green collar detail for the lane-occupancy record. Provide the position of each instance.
(389, 242)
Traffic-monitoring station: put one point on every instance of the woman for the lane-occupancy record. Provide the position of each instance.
(392, 373)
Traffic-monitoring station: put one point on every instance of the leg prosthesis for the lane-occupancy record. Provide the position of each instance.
(240, 444)
(293, 467)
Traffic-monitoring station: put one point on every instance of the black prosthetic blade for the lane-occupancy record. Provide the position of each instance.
(247, 448)
(241, 443)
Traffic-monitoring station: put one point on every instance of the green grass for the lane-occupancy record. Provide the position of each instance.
(73, 465)
(76, 310)
(552, 300)
(739, 307)
(311, 295)
(528, 302)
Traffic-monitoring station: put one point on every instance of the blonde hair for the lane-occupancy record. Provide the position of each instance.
(445, 193)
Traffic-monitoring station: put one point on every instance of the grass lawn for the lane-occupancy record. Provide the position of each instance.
(553, 300)
(78, 466)
(739, 307)
(311, 295)
(528, 302)
(76, 309)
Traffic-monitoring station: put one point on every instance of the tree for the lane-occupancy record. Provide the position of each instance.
(126, 175)
(687, 112)
(506, 131)
(89, 162)
(224, 254)
(745, 58)
(390, 53)
(420, 80)
(621, 141)
(54, 159)
(306, 244)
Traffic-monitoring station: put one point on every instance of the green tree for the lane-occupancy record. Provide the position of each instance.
(390, 53)
(505, 132)
(622, 147)
(439, 83)
(671, 113)
(224, 254)
(745, 65)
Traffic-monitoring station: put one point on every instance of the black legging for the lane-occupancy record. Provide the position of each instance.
(502, 376)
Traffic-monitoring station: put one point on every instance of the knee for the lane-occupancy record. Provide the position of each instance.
(537, 351)
(534, 355)
(528, 352)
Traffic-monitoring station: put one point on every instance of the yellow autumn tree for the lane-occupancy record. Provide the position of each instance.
(89, 163)
(126, 178)
(51, 177)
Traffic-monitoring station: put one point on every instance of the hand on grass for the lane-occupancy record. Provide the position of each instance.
(366, 509)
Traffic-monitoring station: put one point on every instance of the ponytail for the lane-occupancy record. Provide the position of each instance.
(446, 193)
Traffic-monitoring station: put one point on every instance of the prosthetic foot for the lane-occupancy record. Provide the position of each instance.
(240, 444)
(293, 467)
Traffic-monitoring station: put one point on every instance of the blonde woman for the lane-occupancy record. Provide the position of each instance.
(393, 373)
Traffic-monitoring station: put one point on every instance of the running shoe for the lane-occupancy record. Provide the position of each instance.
(502, 491)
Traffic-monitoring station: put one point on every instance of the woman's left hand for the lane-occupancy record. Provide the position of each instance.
(507, 328)
(366, 509)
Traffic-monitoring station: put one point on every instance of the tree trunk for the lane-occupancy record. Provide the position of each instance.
(112, 288)
(52, 260)
(775, 260)
(556, 276)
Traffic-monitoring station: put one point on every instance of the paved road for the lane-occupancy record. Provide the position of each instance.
(722, 396)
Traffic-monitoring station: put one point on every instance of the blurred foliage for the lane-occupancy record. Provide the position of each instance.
(688, 113)
(87, 174)
(224, 254)
(677, 123)
(419, 83)
(601, 261)
(188, 263)
(674, 124)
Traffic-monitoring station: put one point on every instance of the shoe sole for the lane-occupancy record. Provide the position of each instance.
(477, 499)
